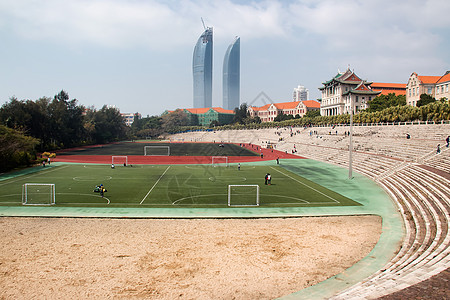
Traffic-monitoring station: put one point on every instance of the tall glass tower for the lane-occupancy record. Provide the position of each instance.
(231, 75)
(202, 63)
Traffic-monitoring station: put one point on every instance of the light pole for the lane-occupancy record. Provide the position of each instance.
(350, 144)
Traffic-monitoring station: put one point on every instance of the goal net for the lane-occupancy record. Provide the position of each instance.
(38, 194)
(119, 160)
(157, 150)
(219, 161)
(243, 195)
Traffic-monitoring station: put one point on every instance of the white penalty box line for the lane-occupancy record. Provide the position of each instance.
(154, 185)
(310, 187)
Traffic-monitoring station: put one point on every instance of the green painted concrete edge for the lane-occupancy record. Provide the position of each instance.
(374, 201)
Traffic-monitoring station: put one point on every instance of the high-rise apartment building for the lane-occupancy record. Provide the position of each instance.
(202, 64)
(231, 75)
(300, 93)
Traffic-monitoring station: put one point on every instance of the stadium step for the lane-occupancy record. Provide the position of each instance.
(385, 155)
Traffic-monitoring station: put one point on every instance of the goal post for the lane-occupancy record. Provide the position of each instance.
(38, 194)
(157, 150)
(219, 161)
(118, 160)
(243, 195)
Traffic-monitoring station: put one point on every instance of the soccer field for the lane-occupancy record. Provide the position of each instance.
(176, 149)
(174, 186)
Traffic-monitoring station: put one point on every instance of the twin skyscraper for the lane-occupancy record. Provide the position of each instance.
(202, 66)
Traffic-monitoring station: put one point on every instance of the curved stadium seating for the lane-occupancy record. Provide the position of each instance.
(409, 170)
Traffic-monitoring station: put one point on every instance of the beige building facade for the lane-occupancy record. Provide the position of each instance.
(442, 89)
(418, 85)
(269, 112)
(435, 86)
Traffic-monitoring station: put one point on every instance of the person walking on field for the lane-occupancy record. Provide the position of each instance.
(266, 178)
(239, 166)
(269, 179)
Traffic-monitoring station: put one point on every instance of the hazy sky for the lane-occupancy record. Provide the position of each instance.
(137, 54)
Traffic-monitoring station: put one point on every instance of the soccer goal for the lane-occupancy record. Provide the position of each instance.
(38, 194)
(219, 161)
(119, 160)
(243, 195)
(157, 150)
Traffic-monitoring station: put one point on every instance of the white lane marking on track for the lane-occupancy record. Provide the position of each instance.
(154, 185)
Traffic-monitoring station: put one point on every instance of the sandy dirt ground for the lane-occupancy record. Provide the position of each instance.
(63, 258)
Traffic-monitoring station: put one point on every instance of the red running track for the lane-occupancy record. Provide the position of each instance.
(268, 154)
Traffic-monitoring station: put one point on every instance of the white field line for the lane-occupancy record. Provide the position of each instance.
(154, 185)
(37, 173)
(307, 186)
(90, 195)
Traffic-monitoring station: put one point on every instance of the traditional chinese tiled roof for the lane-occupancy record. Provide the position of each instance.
(348, 77)
(362, 89)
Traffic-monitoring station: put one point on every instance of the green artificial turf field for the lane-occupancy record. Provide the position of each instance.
(176, 149)
(173, 186)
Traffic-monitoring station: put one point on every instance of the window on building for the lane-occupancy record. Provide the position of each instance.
(446, 88)
(429, 89)
(357, 98)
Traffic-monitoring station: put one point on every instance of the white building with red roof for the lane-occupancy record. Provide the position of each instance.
(269, 112)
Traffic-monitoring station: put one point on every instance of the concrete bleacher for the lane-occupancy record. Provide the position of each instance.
(423, 198)
(409, 170)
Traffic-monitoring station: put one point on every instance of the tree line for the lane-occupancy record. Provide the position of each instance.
(54, 123)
